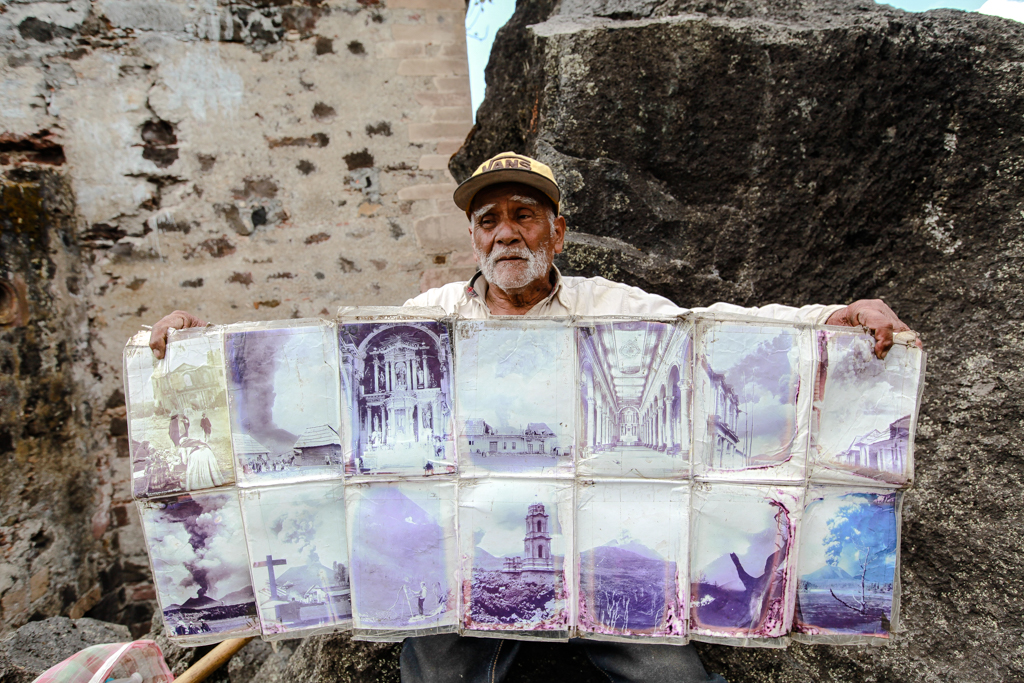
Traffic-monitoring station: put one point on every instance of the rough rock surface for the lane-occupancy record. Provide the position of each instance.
(38, 645)
(807, 152)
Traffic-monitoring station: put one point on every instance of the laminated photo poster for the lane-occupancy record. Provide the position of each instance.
(398, 473)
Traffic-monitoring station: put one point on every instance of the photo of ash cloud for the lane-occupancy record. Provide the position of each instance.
(516, 396)
(398, 379)
(864, 408)
(515, 534)
(199, 566)
(747, 379)
(299, 553)
(283, 391)
(631, 537)
(741, 571)
(403, 549)
(635, 395)
(178, 414)
(847, 567)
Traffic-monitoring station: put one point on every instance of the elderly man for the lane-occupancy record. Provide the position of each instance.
(512, 202)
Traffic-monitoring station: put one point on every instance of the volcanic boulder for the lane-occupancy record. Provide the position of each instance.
(800, 152)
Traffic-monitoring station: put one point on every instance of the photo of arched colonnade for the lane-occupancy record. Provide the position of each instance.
(634, 397)
(397, 377)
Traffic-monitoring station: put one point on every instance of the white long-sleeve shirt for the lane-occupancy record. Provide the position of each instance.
(596, 296)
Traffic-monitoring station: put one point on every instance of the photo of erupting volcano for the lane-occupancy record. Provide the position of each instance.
(284, 398)
(200, 566)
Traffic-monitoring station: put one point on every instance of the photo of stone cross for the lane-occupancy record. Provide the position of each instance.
(270, 563)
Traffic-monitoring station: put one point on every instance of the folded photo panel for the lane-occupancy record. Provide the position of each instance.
(516, 557)
(283, 390)
(299, 558)
(178, 426)
(404, 558)
(632, 544)
(750, 401)
(397, 376)
(742, 562)
(865, 409)
(200, 566)
(516, 396)
(848, 567)
(635, 390)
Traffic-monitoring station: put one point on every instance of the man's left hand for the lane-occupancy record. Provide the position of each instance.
(877, 317)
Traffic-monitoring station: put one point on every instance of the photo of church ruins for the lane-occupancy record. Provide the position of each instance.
(397, 381)
(634, 397)
(518, 591)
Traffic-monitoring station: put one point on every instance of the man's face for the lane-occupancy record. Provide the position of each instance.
(515, 234)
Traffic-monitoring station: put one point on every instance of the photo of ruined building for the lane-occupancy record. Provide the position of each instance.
(749, 405)
(513, 555)
(178, 417)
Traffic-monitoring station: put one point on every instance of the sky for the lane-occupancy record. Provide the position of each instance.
(814, 530)
(863, 394)
(485, 18)
(622, 514)
(499, 528)
(533, 367)
(760, 366)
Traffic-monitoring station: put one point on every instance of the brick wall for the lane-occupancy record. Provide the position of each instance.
(247, 161)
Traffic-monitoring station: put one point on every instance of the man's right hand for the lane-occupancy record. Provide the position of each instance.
(179, 320)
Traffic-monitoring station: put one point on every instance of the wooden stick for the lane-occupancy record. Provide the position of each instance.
(213, 660)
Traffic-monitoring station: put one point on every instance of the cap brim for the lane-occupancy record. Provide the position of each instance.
(465, 192)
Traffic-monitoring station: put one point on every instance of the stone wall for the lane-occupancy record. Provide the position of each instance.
(247, 160)
(806, 151)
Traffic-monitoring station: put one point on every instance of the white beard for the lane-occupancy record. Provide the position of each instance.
(514, 275)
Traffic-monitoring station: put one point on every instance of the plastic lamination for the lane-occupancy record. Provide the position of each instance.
(396, 473)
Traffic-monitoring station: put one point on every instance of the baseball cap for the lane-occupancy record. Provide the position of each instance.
(508, 167)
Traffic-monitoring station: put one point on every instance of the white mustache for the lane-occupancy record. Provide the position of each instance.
(509, 252)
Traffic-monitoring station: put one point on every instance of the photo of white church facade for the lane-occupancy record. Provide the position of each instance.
(398, 378)
(634, 398)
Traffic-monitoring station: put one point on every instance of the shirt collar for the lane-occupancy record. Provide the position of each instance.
(476, 288)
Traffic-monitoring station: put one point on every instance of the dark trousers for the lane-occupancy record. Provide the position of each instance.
(452, 658)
